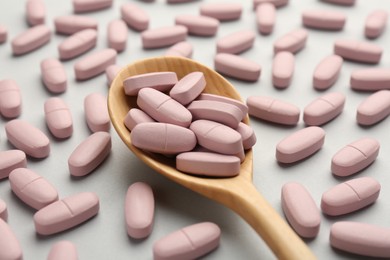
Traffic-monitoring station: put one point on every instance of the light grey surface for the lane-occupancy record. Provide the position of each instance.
(104, 237)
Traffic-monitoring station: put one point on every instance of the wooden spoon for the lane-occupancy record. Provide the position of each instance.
(237, 193)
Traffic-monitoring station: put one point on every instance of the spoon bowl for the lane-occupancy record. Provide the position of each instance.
(238, 193)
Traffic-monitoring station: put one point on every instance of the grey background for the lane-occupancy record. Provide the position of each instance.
(104, 237)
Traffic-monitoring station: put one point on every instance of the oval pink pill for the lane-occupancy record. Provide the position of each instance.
(10, 99)
(198, 24)
(9, 244)
(237, 67)
(136, 116)
(94, 64)
(283, 69)
(96, 112)
(374, 108)
(358, 51)
(3, 210)
(206, 96)
(190, 242)
(3, 34)
(77, 44)
(341, 2)
(117, 35)
(135, 17)
(58, 118)
(327, 72)
(32, 188)
(66, 213)
(139, 210)
(82, 6)
(223, 11)
(10, 160)
(63, 250)
(162, 81)
(31, 39)
(111, 72)
(323, 19)
(35, 12)
(371, 79)
(265, 18)
(237, 42)
(53, 75)
(182, 49)
(293, 41)
(188, 88)
(355, 156)
(70, 24)
(375, 23)
(163, 36)
(89, 154)
(248, 136)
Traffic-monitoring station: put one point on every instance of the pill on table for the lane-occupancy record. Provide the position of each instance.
(190, 242)
(182, 49)
(31, 39)
(300, 210)
(248, 136)
(375, 23)
(58, 117)
(35, 12)
(374, 108)
(63, 250)
(198, 24)
(350, 196)
(89, 154)
(300, 144)
(217, 137)
(3, 210)
(32, 188)
(96, 112)
(188, 88)
(237, 67)
(10, 99)
(293, 41)
(327, 72)
(94, 64)
(70, 24)
(135, 17)
(117, 35)
(53, 75)
(323, 109)
(341, 2)
(265, 18)
(206, 96)
(163, 108)
(358, 51)
(355, 156)
(139, 210)
(223, 11)
(111, 72)
(9, 244)
(323, 19)
(237, 42)
(283, 69)
(136, 116)
(276, 3)
(3, 34)
(35, 143)
(162, 81)
(273, 110)
(371, 79)
(77, 44)
(10, 160)
(66, 213)
(82, 6)
(163, 36)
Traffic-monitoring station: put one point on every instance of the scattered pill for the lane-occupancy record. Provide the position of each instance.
(111, 72)
(53, 75)
(293, 41)
(358, 51)
(31, 39)
(63, 250)
(247, 135)
(162, 81)
(139, 210)
(223, 11)
(135, 17)
(237, 67)
(182, 49)
(94, 64)
(77, 44)
(117, 35)
(374, 108)
(163, 36)
(66, 213)
(3, 211)
(370, 79)
(35, 12)
(58, 117)
(3, 34)
(10, 160)
(198, 24)
(323, 19)
(237, 42)
(10, 99)
(283, 69)
(190, 242)
(188, 88)
(341, 2)
(96, 112)
(9, 245)
(375, 23)
(206, 96)
(276, 3)
(327, 72)
(70, 24)
(355, 156)
(136, 116)
(265, 18)
(82, 6)
(89, 154)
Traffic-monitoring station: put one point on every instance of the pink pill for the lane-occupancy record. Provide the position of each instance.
(323, 19)
(53, 75)
(163, 108)
(9, 244)
(35, 12)
(265, 18)
(248, 136)
(283, 69)
(355, 156)
(94, 64)
(323, 109)
(327, 72)
(358, 51)
(10, 98)
(374, 108)
(371, 79)
(236, 42)
(10, 160)
(162, 81)
(276, 3)
(111, 72)
(300, 145)
(361, 238)
(375, 23)
(188, 88)
(190, 242)
(82, 6)
(181, 49)
(31, 39)
(223, 11)
(208, 164)
(139, 210)
(136, 116)
(237, 67)
(135, 17)
(341, 2)
(32, 188)
(89, 154)
(35, 143)
(300, 210)
(179, 1)
(239, 104)
(3, 34)
(96, 112)
(163, 36)
(58, 117)
(168, 138)
(63, 250)
(217, 137)
(70, 24)
(66, 213)
(198, 24)
(77, 44)
(117, 35)
(3, 210)
(293, 41)
(273, 110)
